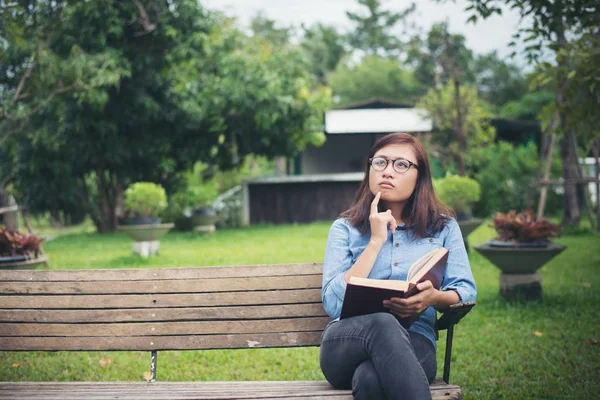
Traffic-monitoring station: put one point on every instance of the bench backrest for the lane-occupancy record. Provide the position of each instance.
(162, 309)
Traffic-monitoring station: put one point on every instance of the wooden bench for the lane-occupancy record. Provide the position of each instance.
(172, 309)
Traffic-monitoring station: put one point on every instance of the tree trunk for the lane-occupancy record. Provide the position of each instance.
(106, 218)
(571, 204)
(459, 129)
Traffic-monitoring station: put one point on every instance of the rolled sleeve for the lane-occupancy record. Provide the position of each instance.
(338, 259)
(458, 275)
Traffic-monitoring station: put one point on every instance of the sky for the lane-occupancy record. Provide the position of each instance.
(492, 34)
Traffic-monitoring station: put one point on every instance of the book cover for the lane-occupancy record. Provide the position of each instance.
(366, 296)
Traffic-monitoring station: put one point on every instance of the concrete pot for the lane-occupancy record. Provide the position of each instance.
(519, 259)
(519, 264)
(146, 233)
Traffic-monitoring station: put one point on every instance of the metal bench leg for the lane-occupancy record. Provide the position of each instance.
(153, 366)
(448, 357)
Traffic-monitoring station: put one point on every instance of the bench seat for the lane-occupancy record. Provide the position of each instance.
(192, 390)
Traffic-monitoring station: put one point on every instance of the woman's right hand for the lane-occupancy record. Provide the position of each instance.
(380, 221)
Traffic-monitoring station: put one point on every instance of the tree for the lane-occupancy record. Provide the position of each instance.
(266, 28)
(324, 47)
(373, 32)
(444, 59)
(471, 119)
(557, 26)
(498, 82)
(374, 77)
(145, 100)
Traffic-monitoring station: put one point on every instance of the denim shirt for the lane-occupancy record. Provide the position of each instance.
(345, 244)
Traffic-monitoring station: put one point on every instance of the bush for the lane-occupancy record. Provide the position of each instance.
(13, 243)
(458, 192)
(524, 227)
(145, 199)
(505, 173)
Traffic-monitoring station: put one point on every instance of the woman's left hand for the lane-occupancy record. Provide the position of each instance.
(413, 305)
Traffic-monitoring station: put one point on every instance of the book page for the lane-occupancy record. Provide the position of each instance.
(379, 283)
(429, 260)
(416, 267)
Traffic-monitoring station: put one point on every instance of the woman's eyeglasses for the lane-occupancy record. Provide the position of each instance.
(400, 165)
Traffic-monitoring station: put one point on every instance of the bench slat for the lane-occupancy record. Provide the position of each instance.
(141, 274)
(195, 390)
(164, 286)
(161, 300)
(147, 343)
(165, 314)
(165, 328)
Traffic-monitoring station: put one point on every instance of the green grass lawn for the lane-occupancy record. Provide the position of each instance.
(544, 349)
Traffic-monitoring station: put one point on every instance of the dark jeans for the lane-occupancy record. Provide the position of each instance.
(376, 357)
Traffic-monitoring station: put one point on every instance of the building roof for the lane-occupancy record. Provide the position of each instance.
(375, 102)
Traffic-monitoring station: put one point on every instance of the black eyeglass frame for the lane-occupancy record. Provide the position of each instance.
(410, 164)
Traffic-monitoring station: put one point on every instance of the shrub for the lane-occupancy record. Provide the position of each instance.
(524, 227)
(13, 243)
(458, 192)
(145, 199)
(505, 173)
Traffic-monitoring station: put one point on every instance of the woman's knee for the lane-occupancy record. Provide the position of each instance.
(365, 382)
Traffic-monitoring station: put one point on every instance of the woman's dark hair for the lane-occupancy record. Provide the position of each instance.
(424, 213)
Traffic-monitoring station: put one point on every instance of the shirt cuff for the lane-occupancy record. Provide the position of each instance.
(463, 294)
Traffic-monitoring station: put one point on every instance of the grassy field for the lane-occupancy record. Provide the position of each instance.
(504, 350)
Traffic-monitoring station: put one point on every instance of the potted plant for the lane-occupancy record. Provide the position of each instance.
(19, 250)
(459, 193)
(191, 208)
(524, 244)
(144, 201)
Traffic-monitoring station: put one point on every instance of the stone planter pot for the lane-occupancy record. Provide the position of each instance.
(22, 262)
(467, 226)
(146, 237)
(519, 263)
(204, 219)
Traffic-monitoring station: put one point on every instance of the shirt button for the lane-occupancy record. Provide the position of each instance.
(395, 264)
(430, 240)
(397, 244)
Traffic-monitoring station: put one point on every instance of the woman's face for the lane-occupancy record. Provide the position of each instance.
(393, 185)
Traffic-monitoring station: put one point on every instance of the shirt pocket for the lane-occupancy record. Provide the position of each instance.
(430, 242)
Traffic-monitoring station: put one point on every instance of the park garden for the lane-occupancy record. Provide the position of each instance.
(128, 129)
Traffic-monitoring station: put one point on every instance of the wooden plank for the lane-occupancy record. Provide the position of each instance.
(161, 300)
(165, 314)
(165, 328)
(194, 390)
(163, 273)
(147, 343)
(165, 286)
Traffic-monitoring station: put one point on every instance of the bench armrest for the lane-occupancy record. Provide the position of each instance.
(453, 314)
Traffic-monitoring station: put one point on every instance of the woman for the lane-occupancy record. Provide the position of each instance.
(395, 220)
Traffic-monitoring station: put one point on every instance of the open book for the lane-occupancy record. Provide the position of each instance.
(366, 296)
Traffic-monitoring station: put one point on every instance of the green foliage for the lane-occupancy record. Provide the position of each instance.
(498, 81)
(324, 47)
(266, 28)
(373, 32)
(474, 118)
(505, 172)
(373, 77)
(458, 192)
(100, 90)
(145, 199)
(530, 106)
(441, 57)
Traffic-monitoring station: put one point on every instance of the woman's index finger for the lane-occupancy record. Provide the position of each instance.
(374, 203)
